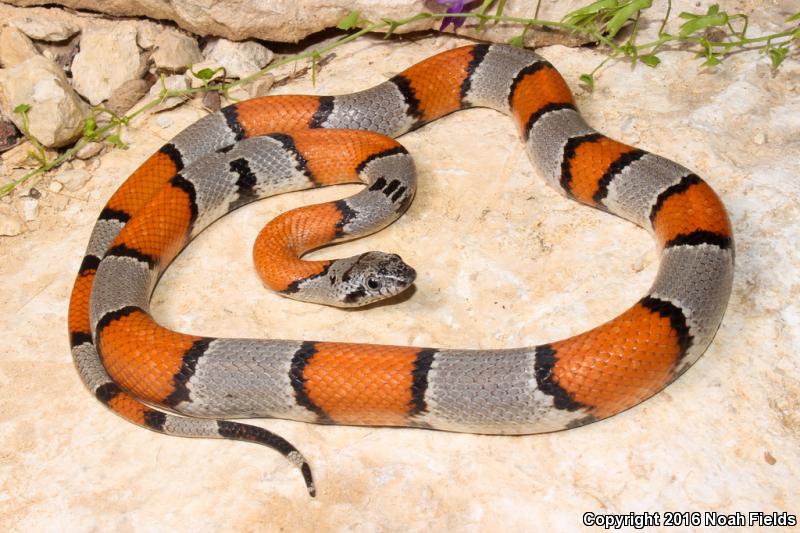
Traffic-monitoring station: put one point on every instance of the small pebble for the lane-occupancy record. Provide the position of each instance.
(262, 86)
(55, 186)
(34, 193)
(211, 101)
(90, 150)
(760, 138)
(164, 121)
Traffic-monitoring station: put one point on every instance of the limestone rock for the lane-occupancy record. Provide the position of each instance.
(89, 151)
(262, 87)
(239, 59)
(15, 47)
(172, 83)
(175, 51)
(73, 179)
(10, 223)
(56, 114)
(62, 53)
(292, 20)
(45, 29)
(146, 33)
(126, 95)
(108, 58)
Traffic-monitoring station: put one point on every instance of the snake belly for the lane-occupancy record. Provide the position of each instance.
(140, 369)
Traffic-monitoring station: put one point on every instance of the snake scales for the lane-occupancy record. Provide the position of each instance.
(274, 144)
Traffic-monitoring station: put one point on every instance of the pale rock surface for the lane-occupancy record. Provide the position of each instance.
(28, 207)
(46, 29)
(10, 223)
(107, 59)
(503, 261)
(164, 121)
(175, 51)
(73, 180)
(177, 82)
(15, 47)
(57, 113)
(238, 59)
(291, 20)
(146, 33)
(20, 156)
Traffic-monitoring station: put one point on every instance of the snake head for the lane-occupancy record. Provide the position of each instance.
(370, 277)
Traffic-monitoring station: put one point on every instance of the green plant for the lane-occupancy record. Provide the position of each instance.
(711, 36)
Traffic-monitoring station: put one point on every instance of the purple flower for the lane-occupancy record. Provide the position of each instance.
(454, 6)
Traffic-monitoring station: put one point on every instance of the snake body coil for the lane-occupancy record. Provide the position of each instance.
(275, 144)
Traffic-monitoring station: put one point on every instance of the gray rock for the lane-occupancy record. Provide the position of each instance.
(9, 134)
(56, 115)
(127, 95)
(62, 53)
(15, 47)
(175, 51)
(45, 29)
(108, 58)
(239, 59)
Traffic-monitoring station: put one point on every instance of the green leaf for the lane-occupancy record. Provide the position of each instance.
(712, 61)
(777, 55)
(116, 140)
(204, 74)
(650, 60)
(393, 25)
(90, 127)
(592, 9)
(695, 23)
(22, 108)
(629, 49)
(624, 13)
(794, 17)
(518, 41)
(350, 21)
(587, 79)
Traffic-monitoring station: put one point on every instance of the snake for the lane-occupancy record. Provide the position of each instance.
(197, 386)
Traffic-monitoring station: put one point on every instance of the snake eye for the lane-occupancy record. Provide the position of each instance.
(372, 283)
